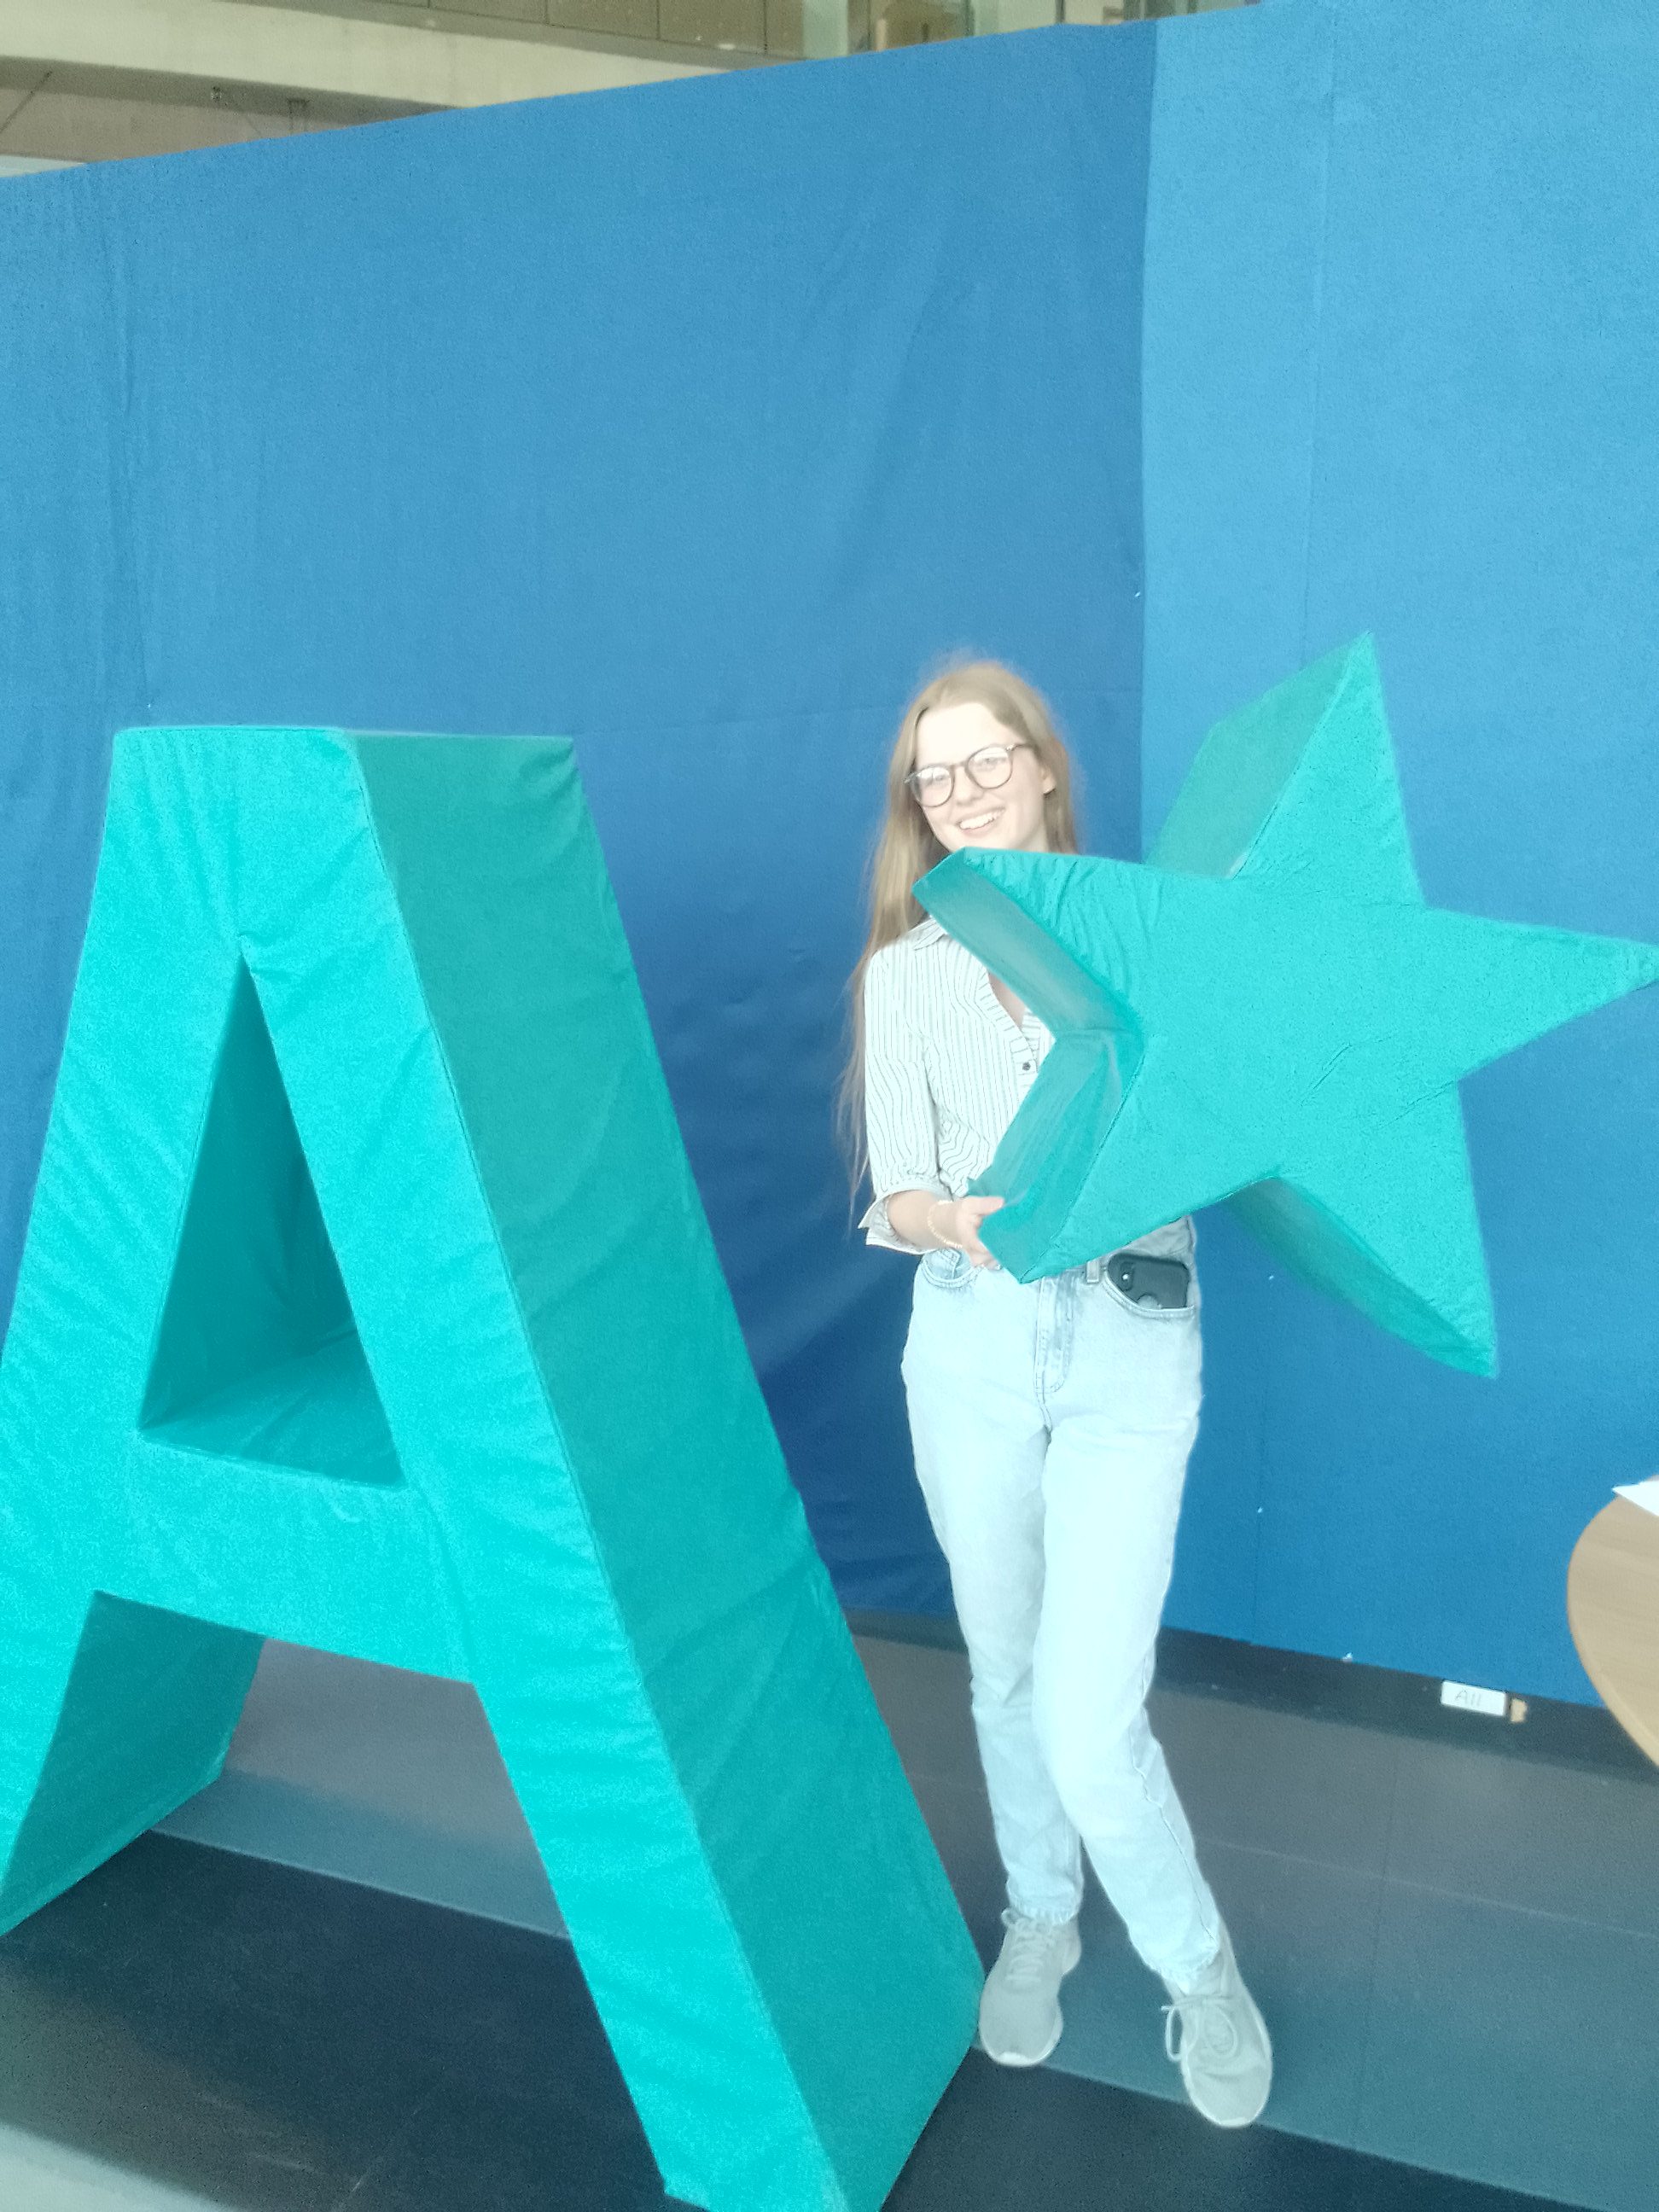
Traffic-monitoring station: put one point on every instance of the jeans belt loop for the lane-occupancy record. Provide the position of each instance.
(1094, 1270)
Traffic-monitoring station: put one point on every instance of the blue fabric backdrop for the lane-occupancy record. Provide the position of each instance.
(1401, 352)
(694, 423)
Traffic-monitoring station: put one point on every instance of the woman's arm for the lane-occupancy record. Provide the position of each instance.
(912, 1210)
(933, 1223)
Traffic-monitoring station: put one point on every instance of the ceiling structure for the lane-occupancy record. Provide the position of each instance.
(107, 79)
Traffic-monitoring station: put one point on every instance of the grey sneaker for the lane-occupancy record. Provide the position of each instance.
(1223, 2054)
(1019, 2021)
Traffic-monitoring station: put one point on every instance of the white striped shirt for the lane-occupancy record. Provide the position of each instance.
(945, 1069)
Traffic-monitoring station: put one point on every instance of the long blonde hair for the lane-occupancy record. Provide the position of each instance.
(907, 847)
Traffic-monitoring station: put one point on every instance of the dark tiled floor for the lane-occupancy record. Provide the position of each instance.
(1511, 1908)
(1451, 1921)
(377, 1775)
(1456, 1944)
(275, 2041)
(1515, 2042)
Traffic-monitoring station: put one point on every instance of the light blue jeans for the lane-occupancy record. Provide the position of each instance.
(1052, 1423)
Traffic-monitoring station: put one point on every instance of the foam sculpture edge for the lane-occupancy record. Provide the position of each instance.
(368, 1302)
(1267, 1013)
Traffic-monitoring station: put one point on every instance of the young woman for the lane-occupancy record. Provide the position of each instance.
(1051, 1421)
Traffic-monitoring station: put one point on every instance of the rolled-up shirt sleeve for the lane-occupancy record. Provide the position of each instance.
(901, 1128)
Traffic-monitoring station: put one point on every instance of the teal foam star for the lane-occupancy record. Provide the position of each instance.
(1268, 1013)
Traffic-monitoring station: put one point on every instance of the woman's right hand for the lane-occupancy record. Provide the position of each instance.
(957, 1221)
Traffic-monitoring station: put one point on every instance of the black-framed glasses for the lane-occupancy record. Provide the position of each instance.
(989, 767)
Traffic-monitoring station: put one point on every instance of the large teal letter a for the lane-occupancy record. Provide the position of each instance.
(368, 1302)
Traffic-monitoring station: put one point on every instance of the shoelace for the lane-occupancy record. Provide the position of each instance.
(1204, 2018)
(1029, 1944)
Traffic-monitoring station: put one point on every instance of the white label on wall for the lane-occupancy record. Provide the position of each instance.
(1468, 1699)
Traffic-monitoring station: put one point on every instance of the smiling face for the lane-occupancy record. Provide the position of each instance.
(1009, 817)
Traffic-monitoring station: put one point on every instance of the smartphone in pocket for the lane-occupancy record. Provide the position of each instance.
(1146, 1281)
